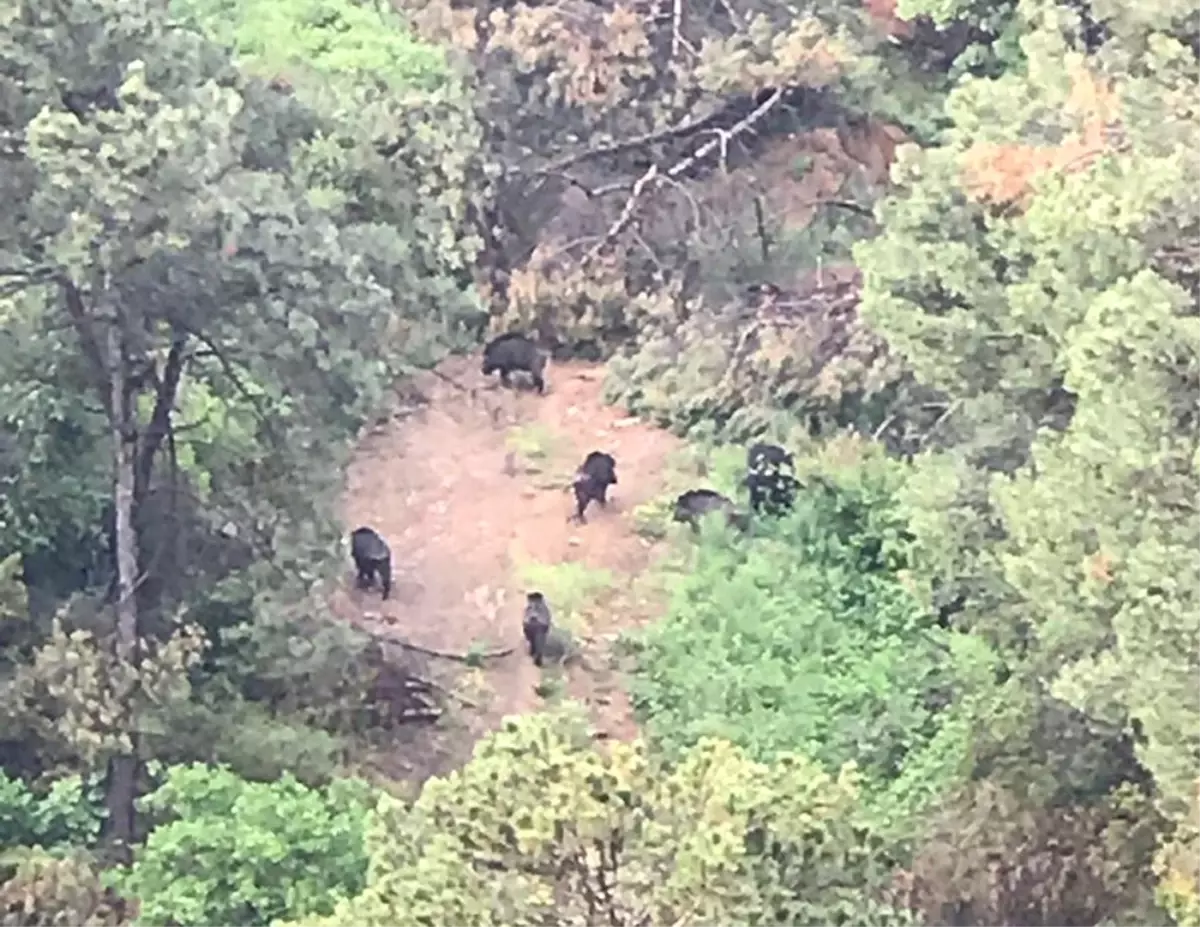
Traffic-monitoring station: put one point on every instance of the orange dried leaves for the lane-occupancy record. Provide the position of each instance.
(1004, 174)
(883, 12)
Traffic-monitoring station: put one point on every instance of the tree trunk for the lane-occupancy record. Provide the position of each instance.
(123, 768)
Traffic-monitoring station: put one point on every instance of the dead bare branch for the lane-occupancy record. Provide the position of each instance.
(164, 402)
(565, 249)
(847, 205)
(677, 39)
(469, 390)
(647, 138)
(696, 223)
(650, 253)
(760, 223)
(733, 15)
(626, 214)
(723, 137)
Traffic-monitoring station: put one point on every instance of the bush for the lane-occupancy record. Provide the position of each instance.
(250, 740)
(576, 312)
(542, 828)
(68, 814)
(806, 639)
(238, 852)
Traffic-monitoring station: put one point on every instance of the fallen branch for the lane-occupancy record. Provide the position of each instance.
(385, 638)
(847, 205)
(469, 390)
(418, 714)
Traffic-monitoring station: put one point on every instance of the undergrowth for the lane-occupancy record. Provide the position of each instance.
(801, 637)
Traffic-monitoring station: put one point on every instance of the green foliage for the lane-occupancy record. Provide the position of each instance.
(224, 728)
(224, 433)
(13, 595)
(536, 443)
(1039, 270)
(718, 467)
(549, 688)
(304, 663)
(539, 827)
(54, 480)
(1177, 865)
(229, 851)
(288, 198)
(395, 148)
(580, 312)
(79, 702)
(806, 639)
(69, 813)
(991, 856)
(651, 519)
(292, 250)
(336, 38)
(389, 225)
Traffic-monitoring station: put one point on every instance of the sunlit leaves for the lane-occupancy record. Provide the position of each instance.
(279, 39)
(231, 851)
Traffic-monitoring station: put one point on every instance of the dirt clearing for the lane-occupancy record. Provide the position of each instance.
(472, 493)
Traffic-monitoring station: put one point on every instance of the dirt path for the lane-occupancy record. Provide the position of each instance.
(470, 491)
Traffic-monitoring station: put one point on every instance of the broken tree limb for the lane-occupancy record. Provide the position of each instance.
(647, 138)
(725, 136)
(385, 638)
(626, 214)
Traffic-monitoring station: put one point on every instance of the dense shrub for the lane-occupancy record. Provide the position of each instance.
(68, 813)
(805, 638)
(228, 851)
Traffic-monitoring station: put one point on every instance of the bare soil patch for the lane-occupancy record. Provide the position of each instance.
(472, 493)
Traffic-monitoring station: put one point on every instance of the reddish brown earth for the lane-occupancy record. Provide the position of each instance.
(459, 489)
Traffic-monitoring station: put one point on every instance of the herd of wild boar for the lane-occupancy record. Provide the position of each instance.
(769, 479)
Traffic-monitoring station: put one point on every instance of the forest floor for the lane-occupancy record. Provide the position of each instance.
(471, 488)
